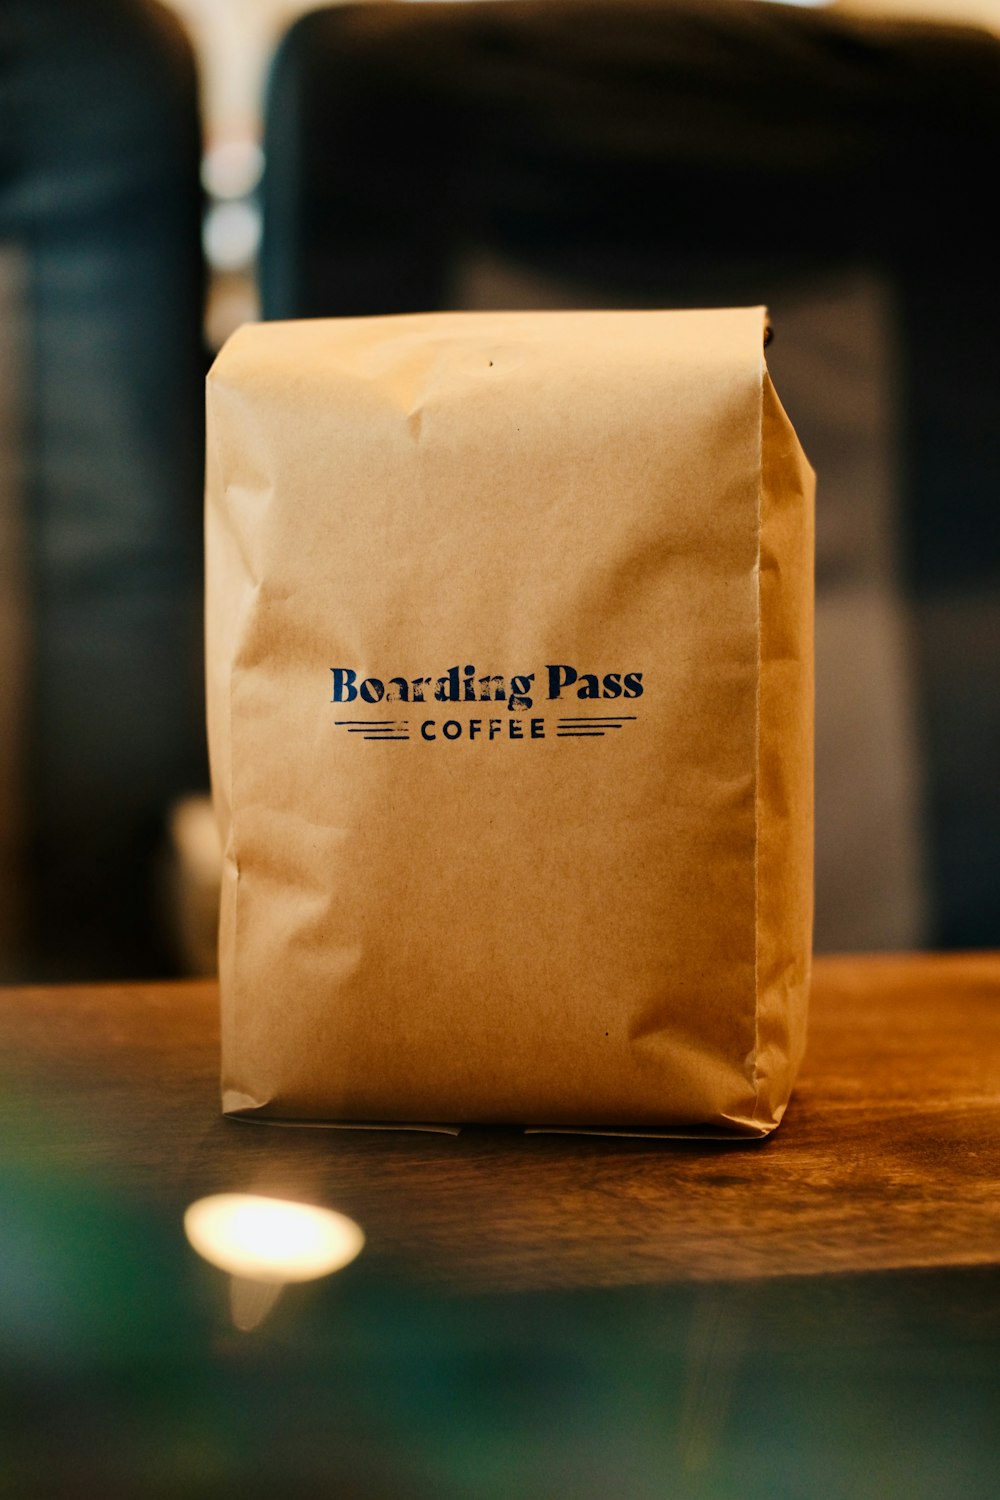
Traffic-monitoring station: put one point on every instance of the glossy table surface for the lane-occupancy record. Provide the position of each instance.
(699, 1306)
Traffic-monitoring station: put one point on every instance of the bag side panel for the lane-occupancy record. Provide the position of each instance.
(785, 769)
(230, 596)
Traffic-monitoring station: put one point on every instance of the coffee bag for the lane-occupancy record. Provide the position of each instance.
(510, 716)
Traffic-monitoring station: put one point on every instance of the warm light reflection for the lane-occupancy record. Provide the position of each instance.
(251, 1301)
(269, 1239)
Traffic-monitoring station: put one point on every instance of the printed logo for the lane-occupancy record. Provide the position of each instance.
(557, 682)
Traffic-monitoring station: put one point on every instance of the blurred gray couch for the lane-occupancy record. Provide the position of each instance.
(100, 476)
(707, 152)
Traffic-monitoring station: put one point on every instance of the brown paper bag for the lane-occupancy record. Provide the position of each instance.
(510, 712)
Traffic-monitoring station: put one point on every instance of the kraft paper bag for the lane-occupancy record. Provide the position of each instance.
(510, 711)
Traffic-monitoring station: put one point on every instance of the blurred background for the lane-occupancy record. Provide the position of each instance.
(167, 173)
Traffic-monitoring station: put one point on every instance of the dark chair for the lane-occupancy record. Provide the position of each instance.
(686, 153)
(101, 391)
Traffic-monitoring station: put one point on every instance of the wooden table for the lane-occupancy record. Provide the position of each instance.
(889, 1156)
(534, 1317)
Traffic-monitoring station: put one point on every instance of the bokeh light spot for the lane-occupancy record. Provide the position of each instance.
(271, 1239)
